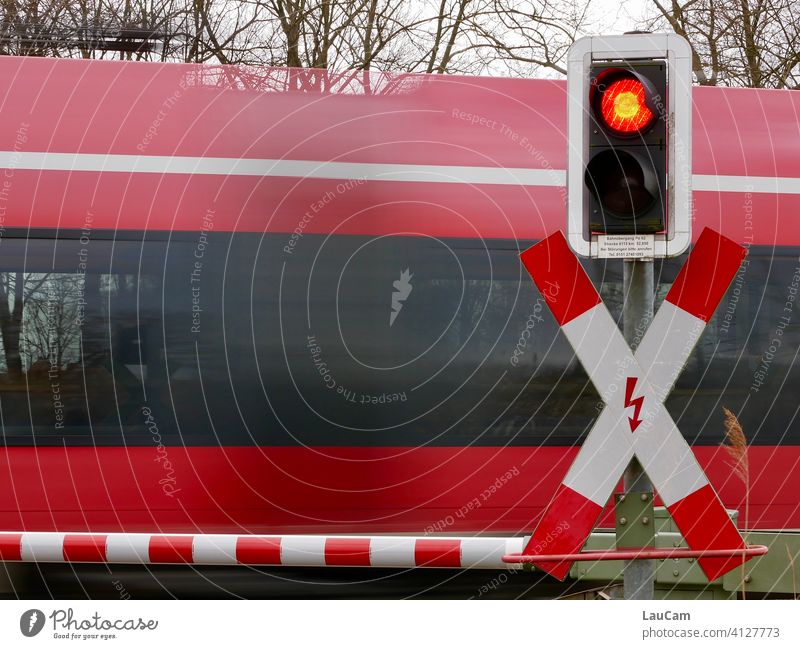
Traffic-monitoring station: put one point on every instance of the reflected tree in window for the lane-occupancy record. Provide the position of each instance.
(51, 320)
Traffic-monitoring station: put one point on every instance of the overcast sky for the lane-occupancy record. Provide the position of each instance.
(618, 16)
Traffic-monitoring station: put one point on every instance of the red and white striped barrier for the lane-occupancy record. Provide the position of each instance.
(231, 549)
(634, 387)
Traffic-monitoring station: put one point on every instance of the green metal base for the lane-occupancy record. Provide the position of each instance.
(776, 573)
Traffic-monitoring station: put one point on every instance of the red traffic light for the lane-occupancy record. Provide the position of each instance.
(623, 106)
(622, 102)
(626, 168)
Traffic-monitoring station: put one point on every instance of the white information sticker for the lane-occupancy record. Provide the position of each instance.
(626, 246)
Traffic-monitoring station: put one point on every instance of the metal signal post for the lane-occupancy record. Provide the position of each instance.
(639, 576)
(628, 183)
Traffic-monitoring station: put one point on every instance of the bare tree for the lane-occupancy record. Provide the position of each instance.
(227, 32)
(753, 43)
(748, 43)
(380, 36)
(435, 36)
(15, 292)
(50, 321)
(484, 36)
(530, 35)
(131, 29)
(451, 22)
(24, 24)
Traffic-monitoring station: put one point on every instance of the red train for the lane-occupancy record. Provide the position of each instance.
(282, 301)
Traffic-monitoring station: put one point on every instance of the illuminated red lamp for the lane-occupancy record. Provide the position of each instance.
(623, 106)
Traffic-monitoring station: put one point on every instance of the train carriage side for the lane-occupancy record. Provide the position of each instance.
(286, 302)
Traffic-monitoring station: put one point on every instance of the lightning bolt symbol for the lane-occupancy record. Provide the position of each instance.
(636, 403)
(32, 621)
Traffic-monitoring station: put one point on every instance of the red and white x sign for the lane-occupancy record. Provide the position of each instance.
(633, 387)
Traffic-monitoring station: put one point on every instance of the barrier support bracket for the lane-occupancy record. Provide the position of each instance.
(634, 516)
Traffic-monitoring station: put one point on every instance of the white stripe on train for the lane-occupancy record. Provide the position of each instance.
(98, 162)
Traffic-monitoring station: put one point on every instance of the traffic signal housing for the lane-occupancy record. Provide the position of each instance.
(626, 171)
(629, 131)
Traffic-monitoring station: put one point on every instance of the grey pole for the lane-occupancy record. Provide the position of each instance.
(637, 280)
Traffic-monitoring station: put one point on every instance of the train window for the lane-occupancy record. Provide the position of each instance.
(71, 363)
(395, 341)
